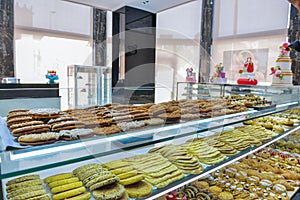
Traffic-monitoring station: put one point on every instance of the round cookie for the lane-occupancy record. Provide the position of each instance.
(104, 183)
(140, 189)
(110, 192)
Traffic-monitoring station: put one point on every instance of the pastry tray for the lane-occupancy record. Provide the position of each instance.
(267, 106)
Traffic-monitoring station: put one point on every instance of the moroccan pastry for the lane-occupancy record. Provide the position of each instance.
(113, 191)
(139, 190)
(38, 139)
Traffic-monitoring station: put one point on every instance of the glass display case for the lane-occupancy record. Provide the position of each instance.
(89, 85)
(175, 123)
(277, 95)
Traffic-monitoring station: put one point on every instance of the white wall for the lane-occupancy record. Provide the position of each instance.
(182, 25)
(53, 15)
(249, 16)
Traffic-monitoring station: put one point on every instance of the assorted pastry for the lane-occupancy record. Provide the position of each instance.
(249, 100)
(109, 119)
(266, 174)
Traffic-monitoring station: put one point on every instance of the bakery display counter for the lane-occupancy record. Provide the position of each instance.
(59, 154)
(135, 151)
(153, 168)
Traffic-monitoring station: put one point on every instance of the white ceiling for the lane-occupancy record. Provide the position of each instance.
(148, 5)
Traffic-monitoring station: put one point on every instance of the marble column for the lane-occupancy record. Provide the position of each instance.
(206, 39)
(99, 37)
(294, 34)
(6, 38)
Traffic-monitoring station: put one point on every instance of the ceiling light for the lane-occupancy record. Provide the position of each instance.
(145, 2)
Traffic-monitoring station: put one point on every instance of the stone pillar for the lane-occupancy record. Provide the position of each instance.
(294, 34)
(206, 39)
(99, 37)
(6, 38)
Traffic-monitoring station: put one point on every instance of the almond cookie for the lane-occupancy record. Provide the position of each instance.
(38, 139)
(17, 110)
(104, 183)
(154, 122)
(24, 190)
(17, 114)
(90, 172)
(31, 129)
(44, 113)
(57, 177)
(75, 134)
(18, 120)
(62, 182)
(30, 194)
(99, 179)
(17, 186)
(110, 192)
(70, 193)
(107, 130)
(23, 178)
(23, 124)
(66, 187)
(67, 125)
(85, 167)
(62, 119)
(140, 189)
(102, 173)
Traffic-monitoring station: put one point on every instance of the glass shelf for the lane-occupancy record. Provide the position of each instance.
(19, 162)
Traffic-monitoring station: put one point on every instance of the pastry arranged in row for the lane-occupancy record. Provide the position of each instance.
(66, 186)
(28, 187)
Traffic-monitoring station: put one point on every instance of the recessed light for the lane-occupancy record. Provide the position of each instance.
(145, 2)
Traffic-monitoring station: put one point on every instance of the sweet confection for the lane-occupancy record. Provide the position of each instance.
(181, 158)
(219, 75)
(95, 177)
(38, 139)
(247, 75)
(140, 189)
(282, 73)
(26, 187)
(109, 192)
(75, 134)
(156, 169)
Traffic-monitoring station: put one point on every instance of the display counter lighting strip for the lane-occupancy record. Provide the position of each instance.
(44, 151)
(222, 165)
(287, 104)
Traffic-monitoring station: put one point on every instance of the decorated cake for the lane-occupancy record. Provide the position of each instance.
(247, 75)
(190, 75)
(219, 76)
(282, 73)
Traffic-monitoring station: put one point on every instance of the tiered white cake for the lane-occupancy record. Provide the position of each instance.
(282, 74)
